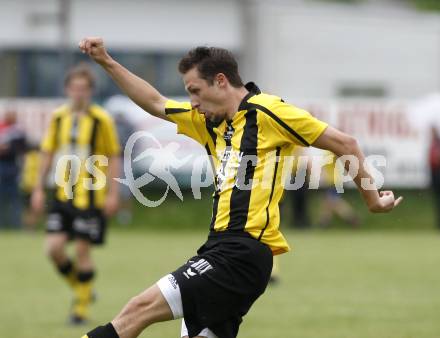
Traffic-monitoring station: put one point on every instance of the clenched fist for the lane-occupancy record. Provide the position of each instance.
(94, 47)
(386, 202)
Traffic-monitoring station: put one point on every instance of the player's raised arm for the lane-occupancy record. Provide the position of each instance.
(342, 144)
(139, 90)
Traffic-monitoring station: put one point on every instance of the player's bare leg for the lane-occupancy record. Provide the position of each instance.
(84, 286)
(56, 251)
(83, 255)
(55, 248)
(141, 311)
(345, 211)
(326, 211)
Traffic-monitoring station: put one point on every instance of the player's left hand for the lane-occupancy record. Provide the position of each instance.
(386, 202)
(111, 205)
(95, 48)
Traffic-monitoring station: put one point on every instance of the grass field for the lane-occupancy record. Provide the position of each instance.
(415, 213)
(338, 284)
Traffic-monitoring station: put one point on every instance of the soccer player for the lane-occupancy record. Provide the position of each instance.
(245, 131)
(79, 129)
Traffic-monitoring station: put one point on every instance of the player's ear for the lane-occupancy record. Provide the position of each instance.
(220, 80)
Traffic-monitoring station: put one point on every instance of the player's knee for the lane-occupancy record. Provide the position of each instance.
(55, 251)
(146, 309)
(140, 305)
(82, 251)
(55, 247)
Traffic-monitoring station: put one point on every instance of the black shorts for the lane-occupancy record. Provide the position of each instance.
(220, 284)
(89, 224)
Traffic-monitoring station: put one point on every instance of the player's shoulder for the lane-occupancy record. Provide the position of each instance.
(173, 106)
(264, 100)
(273, 108)
(99, 112)
(60, 111)
(179, 111)
(270, 103)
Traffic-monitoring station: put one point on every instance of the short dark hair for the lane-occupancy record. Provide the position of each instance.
(209, 62)
(82, 70)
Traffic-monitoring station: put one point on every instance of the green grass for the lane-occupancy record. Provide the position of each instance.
(415, 213)
(337, 284)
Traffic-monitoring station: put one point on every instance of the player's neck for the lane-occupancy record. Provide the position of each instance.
(237, 96)
(79, 109)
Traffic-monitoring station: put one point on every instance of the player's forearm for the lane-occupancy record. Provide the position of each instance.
(113, 171)
(139, 90)
(342, 144)
(369, 194)
(46, 164)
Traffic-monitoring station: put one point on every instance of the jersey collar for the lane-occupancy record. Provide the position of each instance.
(253, 90)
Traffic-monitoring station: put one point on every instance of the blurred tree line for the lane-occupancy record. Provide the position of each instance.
(433, 5)
(430, 5)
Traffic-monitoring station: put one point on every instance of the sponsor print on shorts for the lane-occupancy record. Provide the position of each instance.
(54, 222)
(173, 282)
(198, 268)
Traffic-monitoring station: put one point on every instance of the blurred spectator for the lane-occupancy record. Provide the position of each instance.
(434, 165)
(12, 144)
(124, 129)
(301, 219)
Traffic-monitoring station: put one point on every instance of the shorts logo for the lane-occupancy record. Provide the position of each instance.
(87, 226)
(173, 281)
(54, 222)
(200, 267)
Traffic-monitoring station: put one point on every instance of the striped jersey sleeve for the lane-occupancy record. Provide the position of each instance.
(189, 121)
(49, 143)
(112, 145)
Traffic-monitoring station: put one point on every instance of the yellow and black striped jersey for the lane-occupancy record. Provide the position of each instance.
(247, 155)
(83, 135)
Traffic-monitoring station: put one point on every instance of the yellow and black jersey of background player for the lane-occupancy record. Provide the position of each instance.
(248, 154)
(82, 135)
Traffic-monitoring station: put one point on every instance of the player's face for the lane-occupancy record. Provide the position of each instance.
(208, 98)
(79, 92)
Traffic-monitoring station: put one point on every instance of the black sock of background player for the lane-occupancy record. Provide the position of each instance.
(106, 331)
(65, 268)
(85, 276)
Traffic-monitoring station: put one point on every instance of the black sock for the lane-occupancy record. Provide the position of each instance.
(107, 331)
(65, 268)
(85, 276)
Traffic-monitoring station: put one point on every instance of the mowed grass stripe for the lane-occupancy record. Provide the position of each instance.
(333, 285)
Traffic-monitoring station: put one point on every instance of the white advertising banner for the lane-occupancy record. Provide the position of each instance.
(398, 130)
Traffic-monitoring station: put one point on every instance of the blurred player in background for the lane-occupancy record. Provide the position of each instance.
(239, 126)
(332, 202)
(79, 211)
